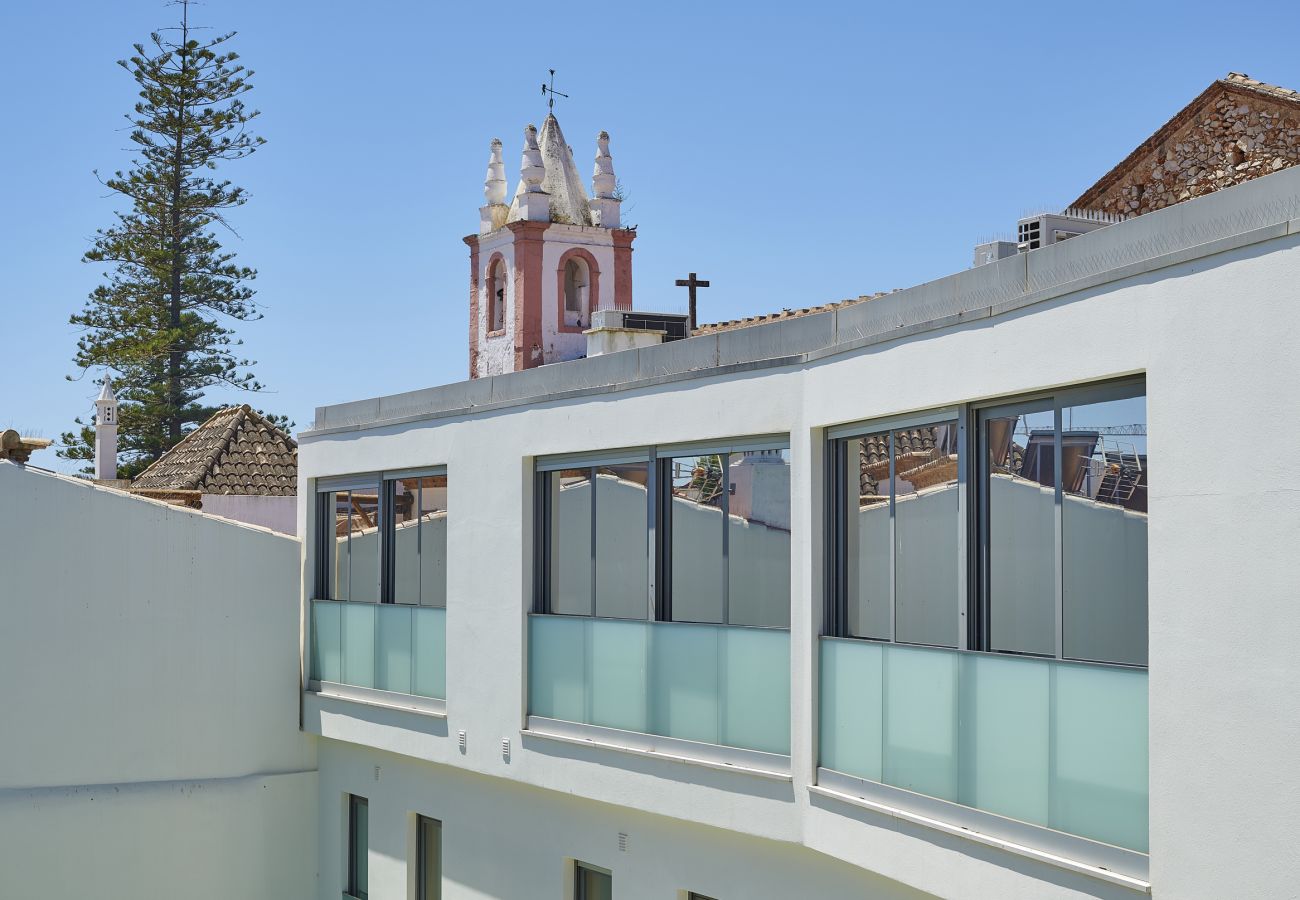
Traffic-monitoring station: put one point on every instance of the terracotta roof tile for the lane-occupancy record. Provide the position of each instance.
(237, 451)
(733, 324)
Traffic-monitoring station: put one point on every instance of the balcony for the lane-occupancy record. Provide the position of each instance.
(379, 649)
(1047, 742)
(727, 686)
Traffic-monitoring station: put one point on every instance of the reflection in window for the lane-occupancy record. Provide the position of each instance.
(1104, 531)
(758, 538)
(572, 522)
(1019, 447)
(622, 557)
(729, 527)
(901, 530)
(926, 532)
(420, 540)
(721, 546)
(353, 554)
(866, 530)
(695, 538)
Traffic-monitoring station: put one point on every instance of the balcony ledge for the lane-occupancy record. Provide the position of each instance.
(773, 766)
(881, 799)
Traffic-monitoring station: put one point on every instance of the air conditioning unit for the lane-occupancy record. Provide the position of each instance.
(1045, 229)
(675, 326)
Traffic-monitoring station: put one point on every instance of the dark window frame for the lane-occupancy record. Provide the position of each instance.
(384, 484)
(428, 878)
(973, 509)
(354, 848)
(659, 521)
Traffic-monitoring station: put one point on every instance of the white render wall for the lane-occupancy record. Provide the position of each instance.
(276, 513)
(150, 709)
(1214, 337)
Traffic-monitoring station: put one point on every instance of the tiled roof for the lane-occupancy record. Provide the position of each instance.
(778, 316)
(1233, 83)
(237, 451)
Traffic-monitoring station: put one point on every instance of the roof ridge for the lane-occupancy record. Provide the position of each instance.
(175, 448)
(241, 413)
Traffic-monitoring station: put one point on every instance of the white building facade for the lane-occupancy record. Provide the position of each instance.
(858, 604)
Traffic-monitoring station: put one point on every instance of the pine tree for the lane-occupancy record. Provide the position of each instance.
(156, 322)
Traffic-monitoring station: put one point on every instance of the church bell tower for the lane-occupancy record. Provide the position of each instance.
(542, 264)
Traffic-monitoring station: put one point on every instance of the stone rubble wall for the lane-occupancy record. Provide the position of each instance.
(1234, 140)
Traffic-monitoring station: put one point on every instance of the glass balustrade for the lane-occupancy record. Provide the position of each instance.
(714, 684)
(384, 646)
(1053, 743)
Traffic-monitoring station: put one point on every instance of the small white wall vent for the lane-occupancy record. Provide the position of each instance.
(505, 749)
(622, 841)
(461, 741)
(376, 773)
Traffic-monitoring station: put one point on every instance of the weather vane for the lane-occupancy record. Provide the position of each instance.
(550, 93)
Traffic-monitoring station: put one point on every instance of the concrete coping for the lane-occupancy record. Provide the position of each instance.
(1264, 209)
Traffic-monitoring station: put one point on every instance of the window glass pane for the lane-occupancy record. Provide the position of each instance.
(334, 542)
(570, 538)
(429, 882)
(622, 541)
(925, 534)
(358, 847)
(695, 549)
(1104, 528)
(354, 558)
(420, 540)
(1018, 449)
(758, 550)
(593, 885)
(866, 540)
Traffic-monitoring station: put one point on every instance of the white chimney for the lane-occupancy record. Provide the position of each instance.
(106, 433)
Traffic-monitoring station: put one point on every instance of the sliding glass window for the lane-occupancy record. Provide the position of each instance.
(985, 634)
(672, 567)
(378, 617)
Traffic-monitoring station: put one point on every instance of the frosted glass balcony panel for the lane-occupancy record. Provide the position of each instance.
(327, 641)
(359, 644)
(1053, 743)
(1004, 763)
(388, 647)
(710, 683)
(684, 683)
(429, 678)
(1100, 766)
(754, 684)
(618, 674)
(557, 667)
(393, 650)
(920, 745)
(852, 713)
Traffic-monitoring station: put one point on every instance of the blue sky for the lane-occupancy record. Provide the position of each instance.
(792, 155)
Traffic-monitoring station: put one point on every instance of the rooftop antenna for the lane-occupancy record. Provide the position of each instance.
(550, 93)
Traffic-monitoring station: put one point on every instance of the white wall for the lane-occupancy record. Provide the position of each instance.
(502, 839)
(1212, 335)
(151, 743)
(276, 513)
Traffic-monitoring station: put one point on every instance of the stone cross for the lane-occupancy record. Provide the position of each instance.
(691, 284)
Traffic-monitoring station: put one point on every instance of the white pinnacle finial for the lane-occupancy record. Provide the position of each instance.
(494, 186)
(106, 392)
(531, 170)
(602, 178)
